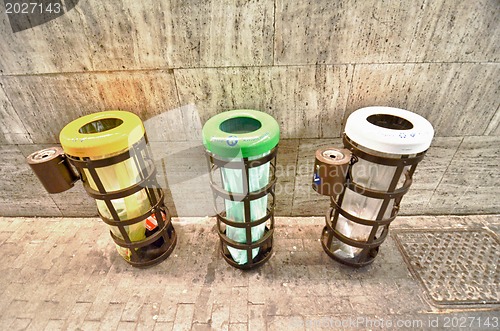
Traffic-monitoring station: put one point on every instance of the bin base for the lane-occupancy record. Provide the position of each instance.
(151, 255)
(360, 260)
(264, 254)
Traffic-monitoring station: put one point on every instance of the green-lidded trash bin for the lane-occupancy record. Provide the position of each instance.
(241, 148)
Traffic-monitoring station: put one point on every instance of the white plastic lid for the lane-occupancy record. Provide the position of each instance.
(389, 130)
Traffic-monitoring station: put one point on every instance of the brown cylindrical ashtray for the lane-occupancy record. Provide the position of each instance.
(52, 169)
(330, 170)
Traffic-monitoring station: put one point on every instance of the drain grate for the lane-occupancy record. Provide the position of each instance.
(456, 267)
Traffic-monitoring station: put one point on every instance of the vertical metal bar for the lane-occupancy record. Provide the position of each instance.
(272, 204)
(136, 155)
(211, 165)
(397, 201)
(138, 162)
(274, 162)
(246, 206)
(412, 169)
(111, 207)
(272, 178)
(142, 169)
(153, 189)
(159, 219)
(385, 203)
(392, 187)
(336, 213)
(153, 201)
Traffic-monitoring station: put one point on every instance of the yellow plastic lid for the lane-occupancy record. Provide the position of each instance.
(100, 134)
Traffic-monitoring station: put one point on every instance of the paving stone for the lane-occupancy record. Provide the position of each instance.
(132, 309)
(111, 317)
(153, 295)
(37, 324)
(238, 312)
(163, 326)
(18, 291)
(7, 321)
(126, 326)
(257, 293)
(184, 317)
(46, 311)
(238, 327)
(25, 254)
(90, 325)
(102, 301)
(203, 307)
(57, 325)
(286, 322)
(368, 304)
(256, 317)
(323, 305)
(19, 309)
(309, 288)
(148, 317)
(91, 288)
(11, 224)
(220, 316)
(279, 303)
(168, 308)
(77, 315)
(291, 245)
(200, 327)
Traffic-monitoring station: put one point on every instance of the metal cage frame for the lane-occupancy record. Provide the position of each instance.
(370, 247)
(266, 242)
(148, 182)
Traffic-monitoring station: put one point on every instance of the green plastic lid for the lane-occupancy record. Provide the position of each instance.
(241, 133)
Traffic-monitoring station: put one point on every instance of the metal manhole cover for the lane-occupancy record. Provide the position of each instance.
(456, 267)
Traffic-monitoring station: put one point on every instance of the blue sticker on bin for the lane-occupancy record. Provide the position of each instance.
(316, 179)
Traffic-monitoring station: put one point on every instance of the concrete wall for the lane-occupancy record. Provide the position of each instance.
(307, 63)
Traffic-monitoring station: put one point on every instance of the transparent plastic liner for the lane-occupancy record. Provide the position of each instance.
(235, 211)
(373, 176)
(117, 177)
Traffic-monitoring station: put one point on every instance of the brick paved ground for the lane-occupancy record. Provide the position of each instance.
(64, 274)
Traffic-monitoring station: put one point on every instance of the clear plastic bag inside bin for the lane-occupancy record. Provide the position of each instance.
(235, 211)
(373, 176)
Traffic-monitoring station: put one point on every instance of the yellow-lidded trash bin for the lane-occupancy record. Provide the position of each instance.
(110, 151)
